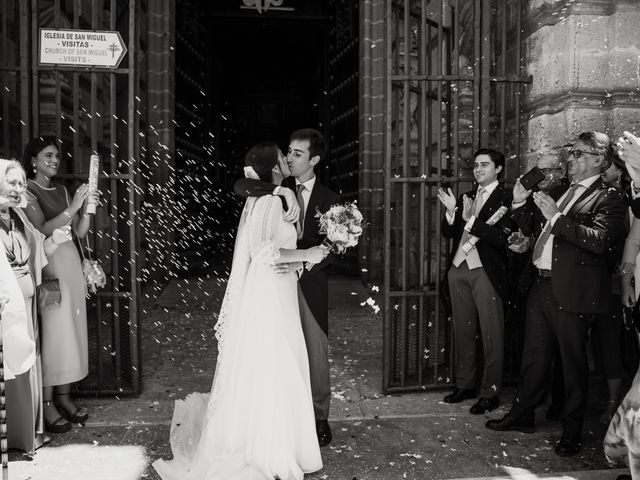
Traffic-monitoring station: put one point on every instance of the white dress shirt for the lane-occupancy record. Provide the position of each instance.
(545, 260)
(306, 193)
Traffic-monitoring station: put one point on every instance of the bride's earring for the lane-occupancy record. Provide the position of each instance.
(34, 168)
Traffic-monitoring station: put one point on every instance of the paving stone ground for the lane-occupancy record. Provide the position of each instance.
(376, 437)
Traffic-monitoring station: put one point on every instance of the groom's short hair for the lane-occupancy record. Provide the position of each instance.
(317, 145)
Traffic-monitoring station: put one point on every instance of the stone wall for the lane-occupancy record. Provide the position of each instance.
(157, 220)
(371, 142)
(584, 58)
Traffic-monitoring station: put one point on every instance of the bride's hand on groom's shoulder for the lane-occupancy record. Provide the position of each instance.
(293, 209)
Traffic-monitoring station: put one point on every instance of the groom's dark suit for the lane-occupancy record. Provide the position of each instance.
(313, 286)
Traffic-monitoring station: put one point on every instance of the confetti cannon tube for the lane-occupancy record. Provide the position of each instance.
(94, 166)
(4, 450)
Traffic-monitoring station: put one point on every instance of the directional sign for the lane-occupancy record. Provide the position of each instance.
(85, 48)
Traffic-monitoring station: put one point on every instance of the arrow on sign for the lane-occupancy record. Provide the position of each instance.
(84, 48)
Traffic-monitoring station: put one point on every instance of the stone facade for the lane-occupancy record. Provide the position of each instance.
(158, 237)
(372, 128)
(584, 59)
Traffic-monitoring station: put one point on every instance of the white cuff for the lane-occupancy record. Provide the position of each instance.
(554, 218)
(276, 191)
(450, 218)
(469, 224)
(515, 205)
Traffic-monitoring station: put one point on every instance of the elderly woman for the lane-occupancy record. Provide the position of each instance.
(23, 252)
(65, 357)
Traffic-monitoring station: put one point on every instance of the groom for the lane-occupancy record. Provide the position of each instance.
(306, 149)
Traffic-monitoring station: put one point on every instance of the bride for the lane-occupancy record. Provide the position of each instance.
(258, 422)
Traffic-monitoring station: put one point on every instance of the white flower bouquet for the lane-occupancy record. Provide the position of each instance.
(342, 225)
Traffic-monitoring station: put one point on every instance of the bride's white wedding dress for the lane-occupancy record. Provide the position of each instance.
(258, 423)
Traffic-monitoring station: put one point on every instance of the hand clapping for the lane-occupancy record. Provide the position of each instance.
(447, 199)
(546, 204)
(520, 194)
(467, 208)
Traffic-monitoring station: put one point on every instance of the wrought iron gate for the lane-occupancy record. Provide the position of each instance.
(89, 110)
(453, 84)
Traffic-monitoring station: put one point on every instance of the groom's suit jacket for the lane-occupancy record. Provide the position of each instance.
(314, 283)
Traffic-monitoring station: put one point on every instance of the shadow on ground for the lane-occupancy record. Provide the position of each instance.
(413, 436)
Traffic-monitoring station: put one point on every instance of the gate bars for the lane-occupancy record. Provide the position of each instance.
(89, 110)
(453, 84)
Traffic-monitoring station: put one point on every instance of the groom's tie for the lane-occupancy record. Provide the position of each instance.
(300, 225)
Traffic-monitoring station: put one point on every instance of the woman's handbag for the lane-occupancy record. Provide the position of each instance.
(48, 294)
(94, 276)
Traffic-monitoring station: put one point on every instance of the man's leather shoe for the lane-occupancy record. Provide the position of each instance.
(324, 432)
(484, 405)
(458, 395)
(509, 423)
(568, 446)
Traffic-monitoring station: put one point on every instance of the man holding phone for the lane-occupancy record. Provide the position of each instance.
(574, 230)
(550, 174)
(478, 279)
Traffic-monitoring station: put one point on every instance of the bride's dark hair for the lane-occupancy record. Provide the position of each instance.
(262, 157)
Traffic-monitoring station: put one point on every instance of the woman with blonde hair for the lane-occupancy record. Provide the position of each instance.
(23, 252)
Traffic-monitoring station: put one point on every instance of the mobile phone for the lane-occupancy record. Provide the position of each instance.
(532, 178)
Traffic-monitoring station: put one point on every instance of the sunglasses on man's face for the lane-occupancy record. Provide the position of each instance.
(579, 153)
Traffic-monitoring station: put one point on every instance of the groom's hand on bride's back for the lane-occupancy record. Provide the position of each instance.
(286, 268)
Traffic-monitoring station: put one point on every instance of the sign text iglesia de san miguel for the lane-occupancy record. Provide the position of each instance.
(83, 48)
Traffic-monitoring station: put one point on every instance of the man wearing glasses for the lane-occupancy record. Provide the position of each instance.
(572, 282)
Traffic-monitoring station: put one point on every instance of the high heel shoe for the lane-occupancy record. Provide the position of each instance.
(80, 415)
(59, 425)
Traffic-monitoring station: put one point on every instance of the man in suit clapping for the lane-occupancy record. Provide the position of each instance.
(478, 279)
(574, 228)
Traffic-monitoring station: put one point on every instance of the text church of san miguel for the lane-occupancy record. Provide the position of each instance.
(171, 94)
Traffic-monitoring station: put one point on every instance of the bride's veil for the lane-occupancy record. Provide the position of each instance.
(235, 285)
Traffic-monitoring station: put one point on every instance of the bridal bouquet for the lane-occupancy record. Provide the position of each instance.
(93, 274)
(342, 225)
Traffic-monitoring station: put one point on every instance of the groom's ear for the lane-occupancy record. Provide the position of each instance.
(314, 160)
